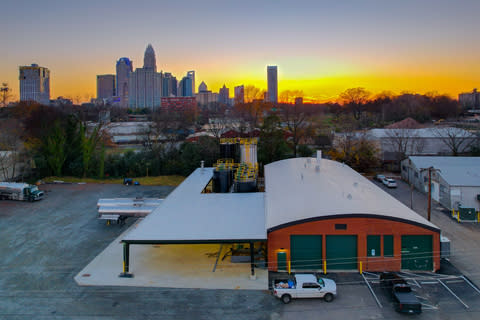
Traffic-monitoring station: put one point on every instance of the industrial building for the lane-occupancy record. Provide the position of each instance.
(321, 214)
(455, 181)
(315, 214)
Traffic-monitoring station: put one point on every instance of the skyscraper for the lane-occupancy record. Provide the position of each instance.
(34, 84)
(185, 87)
(272, 79)
(124, 69)
(239, 94)
(105, 86)
(145, 84)
(224, 95)
(191, 75)
(169, 85)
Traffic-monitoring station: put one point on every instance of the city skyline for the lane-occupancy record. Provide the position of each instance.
(320, 47)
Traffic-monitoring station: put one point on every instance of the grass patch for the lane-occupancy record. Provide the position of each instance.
(145, 181)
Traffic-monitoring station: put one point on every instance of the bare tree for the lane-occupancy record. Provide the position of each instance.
(252, 93)
(295, 117)
(403, 142)
(355, 99)
(288, 96)
(457, 140)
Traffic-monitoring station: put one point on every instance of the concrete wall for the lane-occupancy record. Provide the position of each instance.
(280, 239)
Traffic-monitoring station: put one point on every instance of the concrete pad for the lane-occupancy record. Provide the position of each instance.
(173, 266)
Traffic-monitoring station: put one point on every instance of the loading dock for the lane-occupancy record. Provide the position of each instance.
(342, 252)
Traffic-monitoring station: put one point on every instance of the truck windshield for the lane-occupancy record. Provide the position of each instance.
(33, 189)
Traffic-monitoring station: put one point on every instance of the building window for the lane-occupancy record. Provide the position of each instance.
(340, 226)
(388, 246)
(416, 174)
(373, 246)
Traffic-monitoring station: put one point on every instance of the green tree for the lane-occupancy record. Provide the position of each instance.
(54, 145)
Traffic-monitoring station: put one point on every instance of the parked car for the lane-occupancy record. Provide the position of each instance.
(380, 177)
(304, 286)
(404, 298)
(389, 182)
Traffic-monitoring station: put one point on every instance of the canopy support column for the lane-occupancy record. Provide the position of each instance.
(252, 262)
(126, 261)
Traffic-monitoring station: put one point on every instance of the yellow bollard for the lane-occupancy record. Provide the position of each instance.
(324, 267)
(458, 216)
(361, 271)
(478, 216)
(289, 266)
(453, 213)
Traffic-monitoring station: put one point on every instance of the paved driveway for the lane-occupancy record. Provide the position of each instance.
(464, 237)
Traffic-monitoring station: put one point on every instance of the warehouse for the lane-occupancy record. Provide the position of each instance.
(322, 214)
(315, 214)
(455, 181)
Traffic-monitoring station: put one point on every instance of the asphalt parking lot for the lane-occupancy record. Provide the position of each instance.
(45, 244)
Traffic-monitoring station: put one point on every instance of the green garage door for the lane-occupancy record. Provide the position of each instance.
(417, 252)
(306, 251)
(341, 252)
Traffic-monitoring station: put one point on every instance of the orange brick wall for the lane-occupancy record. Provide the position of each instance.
(280, 239)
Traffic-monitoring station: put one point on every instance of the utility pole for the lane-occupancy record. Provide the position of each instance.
(429, 207)
(429, 192)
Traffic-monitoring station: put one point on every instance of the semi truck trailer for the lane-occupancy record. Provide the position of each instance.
(19, 191)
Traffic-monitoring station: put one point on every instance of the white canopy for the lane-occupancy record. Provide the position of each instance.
(189, 216)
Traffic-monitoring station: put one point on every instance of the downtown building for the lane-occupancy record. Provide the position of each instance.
(224, 95)
(272, 79)
(145, 84)
(34, 84)
(239, 97)
(105, 86)
(124, 68)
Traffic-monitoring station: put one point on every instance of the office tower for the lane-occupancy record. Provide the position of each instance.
(169, 85)
(145, 84)
(185, 87)
(105, 86)
(272, 79)
(224, 95)
(34, 84)
(149, 61)
(124, 69)
(470, 100)
(239, 94)
(191, 75)
(204, 96)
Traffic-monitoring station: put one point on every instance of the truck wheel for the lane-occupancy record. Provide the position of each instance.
(328, 297)
(286, 298)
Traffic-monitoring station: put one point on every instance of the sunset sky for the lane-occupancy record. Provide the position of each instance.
(320, 47)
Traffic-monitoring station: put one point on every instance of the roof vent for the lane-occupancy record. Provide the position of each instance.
(349, 196)
(319, 155)
(317, 168)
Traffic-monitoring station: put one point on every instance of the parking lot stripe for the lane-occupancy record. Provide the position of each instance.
(453, 294)
(373, 293)
(470, 283)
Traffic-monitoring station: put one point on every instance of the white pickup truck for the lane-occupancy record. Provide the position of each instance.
(305, 286)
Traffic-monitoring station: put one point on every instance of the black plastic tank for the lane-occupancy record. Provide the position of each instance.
(222, 180)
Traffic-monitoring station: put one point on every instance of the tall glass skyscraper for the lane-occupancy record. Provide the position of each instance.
(124, 69)
(272, 79)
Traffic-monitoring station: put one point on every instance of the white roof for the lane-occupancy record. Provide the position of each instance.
(457, 171)
(296, 191)
(420, 133)
(188, 215)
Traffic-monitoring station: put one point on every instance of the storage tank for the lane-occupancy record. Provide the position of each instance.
(222, 181)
